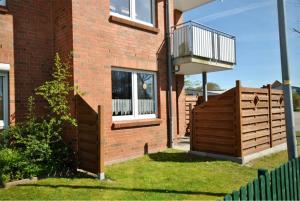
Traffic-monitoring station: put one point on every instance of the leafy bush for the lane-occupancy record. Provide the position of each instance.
(296, 101)
(39, 139)
(13, 165)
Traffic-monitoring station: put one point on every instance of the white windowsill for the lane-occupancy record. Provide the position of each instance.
(131, 117)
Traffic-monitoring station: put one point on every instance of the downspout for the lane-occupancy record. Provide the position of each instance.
(170, 74)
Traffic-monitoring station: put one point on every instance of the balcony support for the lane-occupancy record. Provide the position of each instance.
(204, 86)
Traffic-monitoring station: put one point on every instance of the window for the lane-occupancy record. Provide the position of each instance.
(121, 7)
(133, 95)
(143, 10)
(137, 10)
(3, 100)
(2, 2)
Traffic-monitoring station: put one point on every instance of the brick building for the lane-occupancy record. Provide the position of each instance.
(120, 63)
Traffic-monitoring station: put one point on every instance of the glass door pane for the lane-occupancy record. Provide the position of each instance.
(146, 93)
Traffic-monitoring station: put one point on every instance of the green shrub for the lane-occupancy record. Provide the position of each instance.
(14, 165)
(296, 101)
(39, 138)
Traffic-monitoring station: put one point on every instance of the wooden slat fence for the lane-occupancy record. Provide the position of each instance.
(282, 183)
(90, 137)
(239, 122)
(190, 102)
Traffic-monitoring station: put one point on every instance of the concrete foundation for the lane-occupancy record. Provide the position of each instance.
(245, 159)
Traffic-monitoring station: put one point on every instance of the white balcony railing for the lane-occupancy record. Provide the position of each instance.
(193, 39)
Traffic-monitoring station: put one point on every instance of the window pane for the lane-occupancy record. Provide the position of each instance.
(143, 10)
(2, 2)
(121, 93)
(121, 7)
(146, 96)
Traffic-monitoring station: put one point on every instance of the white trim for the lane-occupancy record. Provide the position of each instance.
(4, 67)
(135, 115)
(132, 14)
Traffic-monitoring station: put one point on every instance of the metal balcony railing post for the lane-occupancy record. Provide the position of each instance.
(218, 46)
(191, 39)
(213, 44)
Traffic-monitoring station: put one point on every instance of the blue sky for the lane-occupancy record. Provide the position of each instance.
(255, 25)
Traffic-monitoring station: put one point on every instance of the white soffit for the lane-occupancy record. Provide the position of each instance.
(4, 67)
(185, 5)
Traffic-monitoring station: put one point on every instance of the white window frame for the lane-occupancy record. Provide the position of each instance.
(132, 14)
(2, 2)
(4, 69)
(136, 115)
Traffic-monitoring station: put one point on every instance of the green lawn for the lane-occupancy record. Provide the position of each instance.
(170, 175)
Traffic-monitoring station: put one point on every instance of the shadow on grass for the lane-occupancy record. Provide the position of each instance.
(126, 189)
(178, 157)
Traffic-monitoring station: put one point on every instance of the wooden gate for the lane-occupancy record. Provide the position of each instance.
(90, 137)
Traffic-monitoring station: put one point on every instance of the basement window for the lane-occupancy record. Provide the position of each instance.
(141, 11)
(2, 2)
(133, 94)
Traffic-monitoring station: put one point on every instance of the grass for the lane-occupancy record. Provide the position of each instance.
(169, 175)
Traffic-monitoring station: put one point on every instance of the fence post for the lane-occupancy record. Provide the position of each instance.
(101, 174)
(191, 125)
(270, 115)
(238, 118)
(266, 175)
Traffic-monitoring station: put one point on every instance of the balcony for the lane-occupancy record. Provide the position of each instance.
(184, 5)
(197, 49)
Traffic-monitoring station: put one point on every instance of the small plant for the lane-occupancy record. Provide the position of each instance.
(56, 93)
(14, 165)
(39, 138)
(296, 101)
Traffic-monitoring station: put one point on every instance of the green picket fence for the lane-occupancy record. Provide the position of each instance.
(282, 183)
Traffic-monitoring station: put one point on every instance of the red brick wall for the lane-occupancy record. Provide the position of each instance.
(180, 95)
(42, 28)
(63, 29)
(98, 46)
(33, 51)
(63, 45)
(7, 53)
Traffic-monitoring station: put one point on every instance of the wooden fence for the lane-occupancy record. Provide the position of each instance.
(190, 102)
(239, 122)
(282, 183)
(90, 137)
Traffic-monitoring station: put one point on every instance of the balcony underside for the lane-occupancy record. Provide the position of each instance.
(184, 5)
(194, 65)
